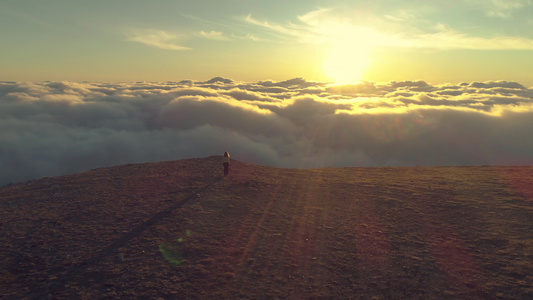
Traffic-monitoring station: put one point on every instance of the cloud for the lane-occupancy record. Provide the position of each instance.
(329, 26)
(212, 35)
(501, 8)
(288, 29)
(156, 38)
(448, 38)
(56, 128)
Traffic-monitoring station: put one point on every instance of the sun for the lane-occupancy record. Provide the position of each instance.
(346, 61)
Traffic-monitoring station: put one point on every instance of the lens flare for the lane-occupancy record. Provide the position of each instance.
(171, 254)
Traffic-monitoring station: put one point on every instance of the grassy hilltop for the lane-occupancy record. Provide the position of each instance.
(179, 230)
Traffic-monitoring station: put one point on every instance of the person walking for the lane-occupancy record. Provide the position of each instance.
(225, 162)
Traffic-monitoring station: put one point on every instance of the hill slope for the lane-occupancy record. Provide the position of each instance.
(180, 230)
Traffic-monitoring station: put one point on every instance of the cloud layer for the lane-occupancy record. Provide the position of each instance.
(55, 128)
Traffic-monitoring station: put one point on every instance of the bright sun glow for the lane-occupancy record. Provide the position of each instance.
(346, 62)
(349, 49)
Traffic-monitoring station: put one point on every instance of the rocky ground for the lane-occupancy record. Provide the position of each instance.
(179, 230)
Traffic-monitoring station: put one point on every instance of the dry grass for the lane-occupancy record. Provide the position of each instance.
(180, 230)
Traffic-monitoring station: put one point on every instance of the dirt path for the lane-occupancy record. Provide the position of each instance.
(267, 233)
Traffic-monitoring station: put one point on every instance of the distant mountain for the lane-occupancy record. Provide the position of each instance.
(180, 230)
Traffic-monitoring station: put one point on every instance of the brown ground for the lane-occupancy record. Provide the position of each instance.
(178, 230)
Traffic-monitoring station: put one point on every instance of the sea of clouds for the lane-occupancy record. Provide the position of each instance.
(56, 128)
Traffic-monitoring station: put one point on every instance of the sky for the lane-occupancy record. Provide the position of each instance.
(338, 40)
(298, 84)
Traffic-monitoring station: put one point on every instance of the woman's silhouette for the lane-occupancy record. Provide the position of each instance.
(226, 163)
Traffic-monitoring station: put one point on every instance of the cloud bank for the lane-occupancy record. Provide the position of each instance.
(55, 128)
